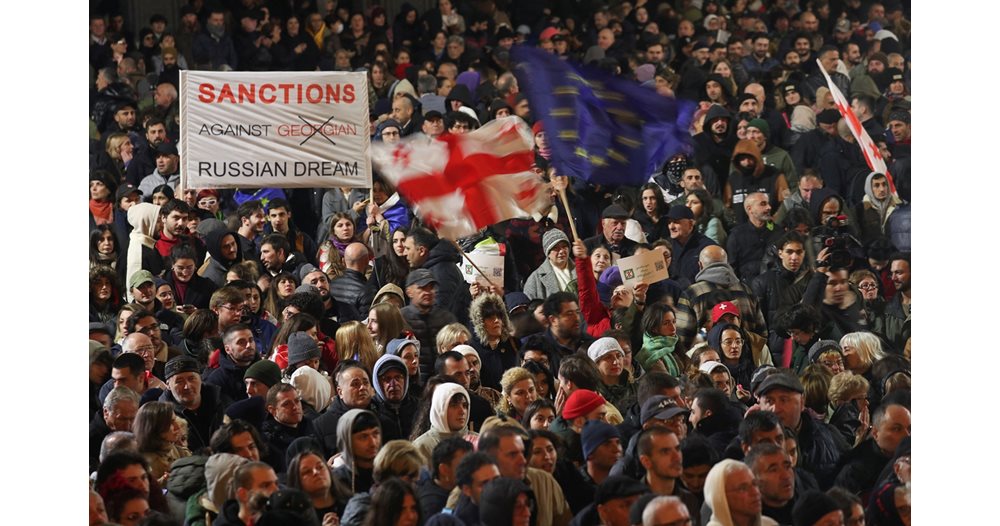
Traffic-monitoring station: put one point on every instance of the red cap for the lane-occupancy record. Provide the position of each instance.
(548, 33)
(581, 402)
(537, 128)
(725, 307)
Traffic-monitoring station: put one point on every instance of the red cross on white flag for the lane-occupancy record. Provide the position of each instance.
(868, 146)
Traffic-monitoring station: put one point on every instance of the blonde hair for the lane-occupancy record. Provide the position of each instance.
(353, 339)
(868, 345)
(396, 458)
(510, 378)
(114, 144)
(844, 385)
(447, 337)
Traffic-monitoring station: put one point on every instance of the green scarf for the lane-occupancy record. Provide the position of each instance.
(657, 348)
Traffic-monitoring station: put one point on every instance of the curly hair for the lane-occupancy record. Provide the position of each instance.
(512, 377)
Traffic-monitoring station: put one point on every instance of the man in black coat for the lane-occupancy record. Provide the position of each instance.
(612, 234)
(201, 405)
(860, 467)
(285, 422)
(118, 413)
(425, 250)
(686, 243)
(240, 352)
(747, 241)
(820, 446)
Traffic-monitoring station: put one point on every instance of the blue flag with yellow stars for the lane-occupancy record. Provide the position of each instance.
(601, 128)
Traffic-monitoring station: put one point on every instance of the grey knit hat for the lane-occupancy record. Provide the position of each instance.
(552, 238)
(301, 347)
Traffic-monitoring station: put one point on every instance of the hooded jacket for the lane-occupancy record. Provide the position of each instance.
(346, 447)
(314, 387)
(439, 421)
(764, 178)
(216, 268)
(716, 283)
(715, 495)
(203, 422)
(452, 292)
(493, 361)
(742, 370)
(873, 214)
(400, 415)
(141, 255)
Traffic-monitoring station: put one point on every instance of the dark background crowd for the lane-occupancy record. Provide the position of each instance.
(278, 356)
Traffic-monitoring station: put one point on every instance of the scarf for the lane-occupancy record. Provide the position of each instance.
(340, 246)
(102, 211)
(318, 37)
(659, 348)
(546, 152)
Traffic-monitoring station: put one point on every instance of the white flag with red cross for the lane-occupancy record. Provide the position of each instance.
(868, 147)
(461, 183)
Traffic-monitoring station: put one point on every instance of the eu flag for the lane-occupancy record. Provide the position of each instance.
(600, 128)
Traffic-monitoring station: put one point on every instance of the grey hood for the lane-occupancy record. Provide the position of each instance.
(719, 273)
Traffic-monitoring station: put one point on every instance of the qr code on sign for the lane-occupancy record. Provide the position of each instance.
(497, 272)
(659, 265)
(629, 274)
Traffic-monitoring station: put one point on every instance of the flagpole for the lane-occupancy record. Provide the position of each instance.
(569, 213)
(473, 263)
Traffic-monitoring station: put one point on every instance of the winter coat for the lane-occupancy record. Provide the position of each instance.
(685, 256)
(439, 421)
(279, 436)
(349, 288)
(204, 421)
(543, 282)
(452, 290)
(745, 248)
(425, 327)
(398, 416)
(141, 255)
(217, 267)
(493, 360)
(820, 449)
(714, 284)
(198, 292)
(764, 178)
(228, 377)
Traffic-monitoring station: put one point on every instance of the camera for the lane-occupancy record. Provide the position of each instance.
(843, 247)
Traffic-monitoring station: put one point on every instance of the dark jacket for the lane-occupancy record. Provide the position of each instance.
(98, 430)
(685, 257)
(325, 427)
(496, 361)
(425, 327)
(625, 248)
(198, 291)
(229, 515)
(228, 377)
(745, 248)
(349, 288)
(820, 448)
(205, 420)
(279, 436)
(859, 468)
(720, 429)
(218, 266)
(778, 290)
(452, 290)
(431, 496)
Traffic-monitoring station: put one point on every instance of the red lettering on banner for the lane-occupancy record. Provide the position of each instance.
(226, 93)
(264, 98)
(276, 94)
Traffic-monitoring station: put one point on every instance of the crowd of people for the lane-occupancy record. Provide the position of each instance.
(315, 356)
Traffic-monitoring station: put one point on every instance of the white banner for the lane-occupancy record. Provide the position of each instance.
(648, 267)
(491, 265)
(285, 129)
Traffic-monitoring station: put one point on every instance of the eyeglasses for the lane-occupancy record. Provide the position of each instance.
(731, 342)
(867, 286)
(149, 329)
(238, 308)
(832, 363)
(185, 268)
(144, 350)
(207, 202)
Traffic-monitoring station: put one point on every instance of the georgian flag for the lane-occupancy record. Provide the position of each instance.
(459, 184)
(868, 147)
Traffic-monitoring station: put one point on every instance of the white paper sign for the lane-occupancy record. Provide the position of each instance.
(648, 267)
(491, 265)
(286, 129)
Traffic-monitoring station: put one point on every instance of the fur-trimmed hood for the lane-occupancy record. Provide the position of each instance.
(490, 302)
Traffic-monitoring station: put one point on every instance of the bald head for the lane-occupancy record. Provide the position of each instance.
(665, 510)
(712, 254)
(356, 257)
(757, 91)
